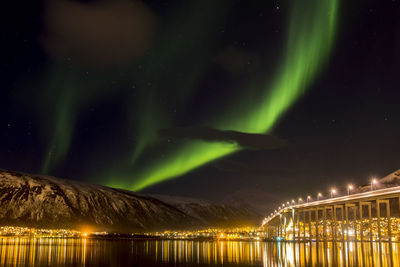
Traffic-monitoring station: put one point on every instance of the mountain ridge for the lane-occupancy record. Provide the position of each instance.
(42, 201)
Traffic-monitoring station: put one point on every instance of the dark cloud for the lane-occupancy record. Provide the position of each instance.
(239, 166)
(237, 60)
(97, 34)
(245, 140)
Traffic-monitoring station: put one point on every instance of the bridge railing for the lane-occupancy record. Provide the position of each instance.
(367, 216)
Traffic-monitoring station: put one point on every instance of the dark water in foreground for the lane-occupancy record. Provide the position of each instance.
(91, 252)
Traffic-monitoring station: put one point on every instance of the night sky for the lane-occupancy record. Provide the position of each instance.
(263, 100)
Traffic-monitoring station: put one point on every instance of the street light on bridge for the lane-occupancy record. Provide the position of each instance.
(300, 199)
(333, 191)
(308, 198)
(293, 201)
(349, 188)
(373, 181)
(319, 195)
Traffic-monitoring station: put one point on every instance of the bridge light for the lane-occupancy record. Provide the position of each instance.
(300, 199)
(373, 181)
(308, 198)
(293, 201)
(349, 188)
(288, 203)
(319, 195)
(333, 192)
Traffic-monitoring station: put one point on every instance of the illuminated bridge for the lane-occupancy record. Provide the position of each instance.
(367, 216)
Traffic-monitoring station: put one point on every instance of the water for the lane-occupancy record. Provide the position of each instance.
(91, 252)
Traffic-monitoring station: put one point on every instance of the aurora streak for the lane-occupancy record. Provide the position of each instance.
(311, 34)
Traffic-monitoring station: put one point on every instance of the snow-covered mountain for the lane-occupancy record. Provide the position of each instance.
(209, 213)
(41, 201)
(391, 179)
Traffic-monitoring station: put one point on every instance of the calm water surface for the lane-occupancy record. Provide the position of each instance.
(92, 252)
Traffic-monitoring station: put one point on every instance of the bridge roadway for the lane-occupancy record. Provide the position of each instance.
(340, 218)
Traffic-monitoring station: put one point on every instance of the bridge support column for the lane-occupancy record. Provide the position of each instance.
(293, 226)
(361, 222)
(370, 221)
(334, 221)
(304, 225)
(348, 225)
(355, 222)
(368, 204)
(298, 224)
(389, 221)
(284, 225)
(332, 226)
(389, 224)
(389, 215)
(316, 226)
(309, 225)
(324, 225)
(342, 220)
(378, 216)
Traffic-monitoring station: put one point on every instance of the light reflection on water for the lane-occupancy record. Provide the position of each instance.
(91, 252)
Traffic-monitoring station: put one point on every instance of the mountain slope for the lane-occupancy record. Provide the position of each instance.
(41, 201)
(47, 201)
(390, 180)
(214, 213)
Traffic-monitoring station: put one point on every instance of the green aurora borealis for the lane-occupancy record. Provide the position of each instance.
(309, 40)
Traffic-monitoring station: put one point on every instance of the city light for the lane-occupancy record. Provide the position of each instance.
(308, 198)
(300, 199)
(38, 232)
(319, 196)
(349, 188)
(373, 182)
(333, 192)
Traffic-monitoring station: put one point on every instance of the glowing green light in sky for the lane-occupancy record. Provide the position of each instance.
(59, 114)
(310, 38)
